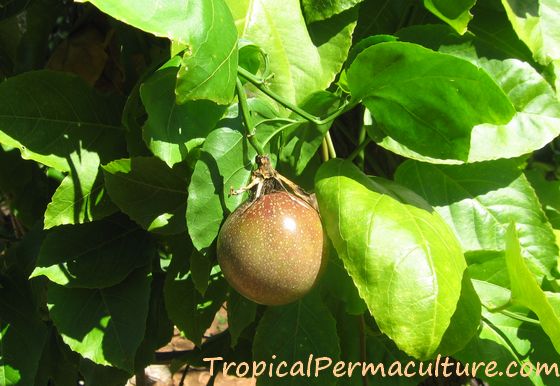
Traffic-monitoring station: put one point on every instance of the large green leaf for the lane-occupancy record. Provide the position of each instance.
(403, 258)
(81, 196)
(439, 122)
(187, 308)
(455, 13)
(206, 31)
(525, 290)
(315, 10)
(226, 161)
(172, 130)
(293, 333)
(537, 111)
(303, 61)
(148, 191)
(478, 201)
(22, 333)
(536, 24)
(96, 255)
(104, 325)
(53, 118)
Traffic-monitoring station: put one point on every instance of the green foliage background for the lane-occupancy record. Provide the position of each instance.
(426, 129)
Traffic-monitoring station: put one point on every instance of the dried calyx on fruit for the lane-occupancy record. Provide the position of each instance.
(272, 248)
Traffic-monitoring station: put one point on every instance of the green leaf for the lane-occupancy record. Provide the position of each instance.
(22, 333)
(537, 118)
(201, 267)
(59, 364)
(171, 130)
(241, 312)
(225, 161)
(148, 191)
(302, 141)
(303, 61)
(386, 76)
(81, 196)
(382, 17)
(536, 121)
(209, 66)
(478, 201)
(535, 22)
(490, 278)
(454, 13)
(159, 328)
(381, 349)
(548, 192)
(206, 31)
(339, 284)
(18, 177)
(464, 322)
(505, 340)
(96, 255)
(293, 333)
(57, 118)
(24, 253)
(525, 290)
(104, 325)
(97, 375)
(315, 10)
(187, 308)
(492, 37)
(403, 258)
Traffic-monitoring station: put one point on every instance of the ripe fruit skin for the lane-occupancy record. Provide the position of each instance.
(272, 250)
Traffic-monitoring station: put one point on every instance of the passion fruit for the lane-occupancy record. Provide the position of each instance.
(271, 249)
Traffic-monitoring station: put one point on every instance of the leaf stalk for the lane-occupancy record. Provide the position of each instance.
(260, 84)
(247, 119)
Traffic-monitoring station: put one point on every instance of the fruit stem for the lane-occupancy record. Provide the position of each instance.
(260, 84)
(359, 150)
(247, 119)
(324, 150)
(330, 145)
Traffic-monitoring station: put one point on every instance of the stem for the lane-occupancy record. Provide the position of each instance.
(363, 347)
(140, 378)
(184, 375)
(259, 83)
(330, 145)
(361, 138)
(522, 318)
(247, 119)
(360, 149)
(324, 150)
